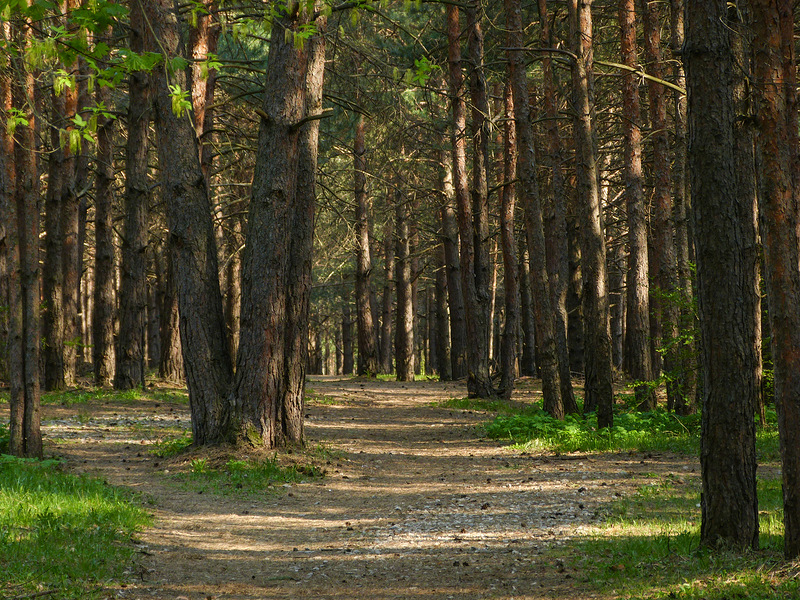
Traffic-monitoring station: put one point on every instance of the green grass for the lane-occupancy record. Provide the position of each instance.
(65, 535)
(244, 477)
(530, 429)
(312, 397)
(649, 548)
(103, 395)
(172, 446)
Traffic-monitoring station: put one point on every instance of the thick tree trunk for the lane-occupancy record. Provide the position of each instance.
(193, 251)
(7, 185)
(203, 39)
(170, 363)
(775, 76)
(725, 244)
(104, 299)
(636, 352)
(599, 394)
(132, 297)
(368, 363)
(269, 384)
(534, 222)
(23, 265)
(404, 327)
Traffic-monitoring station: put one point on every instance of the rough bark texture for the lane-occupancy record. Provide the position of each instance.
(443, 356)
(132, 295)
(368, 363)
(775, 77)
(192, 248)
(170, 360)
(25, 437)
(202, 41)
(725, 237)
(103, 297)
(347, 338)
(534, 222)
(599, 394)
(269, 384)
(637, 318)
(478, 381)
(404, 326)
(527, 364)
(555, 229)
(7, 185)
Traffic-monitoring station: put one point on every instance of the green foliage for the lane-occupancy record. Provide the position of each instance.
(104, 395)
(63, 533)
(181, 102)
(649, 548)
(244, 476)
(171, 446)
(658, 430)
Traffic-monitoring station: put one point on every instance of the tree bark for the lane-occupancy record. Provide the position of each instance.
(23, 235)
(193, 250)
(132, 297)
(637, 318)
(725, 244)
(347, 338)
(534, 222)
(368, 363)
(777, 152)
(528, 354)
(663, 231)
(104, 299)
(170, 363)
(269, 384)
(599, 393)
(443, 356)
(404, 327)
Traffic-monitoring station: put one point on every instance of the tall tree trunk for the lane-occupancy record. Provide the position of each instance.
(192, 248)
(132, 297)
(170, 364)
(404, 328)
(776, 79)
(556, 218)
(508, 366)
(7, 185)
(599, 394)
(452, 260)
(725, 243)
(663, 232)
(23, 236)
(53, 266)
(387, 299)
(368, 363)
(104, 300)
(203, 39)
(534, 222)
(637, 318)
(269, 384)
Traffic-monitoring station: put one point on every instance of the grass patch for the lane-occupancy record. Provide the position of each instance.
(104, 395)
(312, 397)
(649, 548)
(504, 407)
(172, 446)
(59, 532)
(248, 476)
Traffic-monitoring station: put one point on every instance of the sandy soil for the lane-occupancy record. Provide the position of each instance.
(415, 503)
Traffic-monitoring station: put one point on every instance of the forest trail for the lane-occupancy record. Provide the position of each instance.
(415, 504)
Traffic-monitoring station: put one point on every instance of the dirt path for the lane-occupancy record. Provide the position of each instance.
(415, 505)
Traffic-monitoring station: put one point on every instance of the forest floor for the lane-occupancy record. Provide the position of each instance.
(415, 503)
